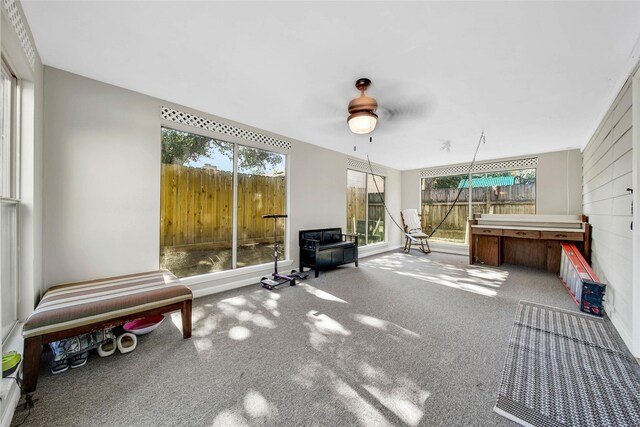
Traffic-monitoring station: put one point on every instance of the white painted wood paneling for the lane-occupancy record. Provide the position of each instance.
(606, 175)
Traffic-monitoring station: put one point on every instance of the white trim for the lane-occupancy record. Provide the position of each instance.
(212, 288)
(528, 162)
(615, 320)
(363, 166)
(635, 183)
(234, 207)
(375, 249)
(218, 275)
(193, 120)
(19, 23)
(9, 390)
(9, 403)
(216, 289)
(449, 248)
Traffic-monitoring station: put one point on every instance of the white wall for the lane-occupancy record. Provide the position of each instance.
(607, 173)
(557, 182)
(29, 191)
(102, 184)
(635, 127)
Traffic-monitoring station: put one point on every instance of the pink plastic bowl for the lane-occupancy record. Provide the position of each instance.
(143, 326)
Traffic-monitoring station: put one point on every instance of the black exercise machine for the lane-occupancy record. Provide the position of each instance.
(277, 278)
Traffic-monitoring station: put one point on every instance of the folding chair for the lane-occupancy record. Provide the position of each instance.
(413, 231)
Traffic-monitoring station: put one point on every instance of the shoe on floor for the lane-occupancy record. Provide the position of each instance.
(79, 360)
(127, 342)
(107, 348)
(59, 366)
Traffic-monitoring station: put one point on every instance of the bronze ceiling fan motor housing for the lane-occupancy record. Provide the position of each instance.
(362, 105)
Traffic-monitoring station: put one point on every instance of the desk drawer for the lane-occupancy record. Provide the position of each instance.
(487, 231)
(562, 235)
(523, 234)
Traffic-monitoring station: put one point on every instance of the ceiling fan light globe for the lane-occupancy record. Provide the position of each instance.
(362, 122)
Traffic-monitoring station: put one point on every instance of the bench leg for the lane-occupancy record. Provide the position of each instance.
(31, 365)
(186, 318)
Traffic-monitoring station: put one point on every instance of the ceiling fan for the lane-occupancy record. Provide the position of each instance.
(364, 111)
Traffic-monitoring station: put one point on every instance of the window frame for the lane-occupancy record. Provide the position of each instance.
(368, 174)
(236, 142)
(469, 203)
(10, 190)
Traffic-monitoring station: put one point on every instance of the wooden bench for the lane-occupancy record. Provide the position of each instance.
(82, 307)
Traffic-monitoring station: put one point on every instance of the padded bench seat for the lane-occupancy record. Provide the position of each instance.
(77, 308)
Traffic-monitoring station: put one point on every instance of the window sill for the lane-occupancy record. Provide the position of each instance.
(218, 275)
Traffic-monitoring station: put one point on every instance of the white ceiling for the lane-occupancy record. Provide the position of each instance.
(536, 76)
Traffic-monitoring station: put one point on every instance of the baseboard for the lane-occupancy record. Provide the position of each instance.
(617, 323)
(364, 251)
(8, 405)
(212, 288)
(202, 289)
(449, 248)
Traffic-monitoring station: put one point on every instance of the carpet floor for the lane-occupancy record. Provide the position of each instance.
(402, 340)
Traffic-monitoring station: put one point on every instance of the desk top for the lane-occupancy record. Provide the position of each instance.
(531, 222)
(531, 228)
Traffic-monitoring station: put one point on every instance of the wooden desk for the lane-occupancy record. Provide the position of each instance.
(530, 240)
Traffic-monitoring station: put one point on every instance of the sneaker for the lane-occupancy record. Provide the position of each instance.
(79, 360)
(59, 366)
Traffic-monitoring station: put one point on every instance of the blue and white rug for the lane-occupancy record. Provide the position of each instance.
(566, 369)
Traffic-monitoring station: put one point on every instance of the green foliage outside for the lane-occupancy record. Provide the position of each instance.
(182, 147)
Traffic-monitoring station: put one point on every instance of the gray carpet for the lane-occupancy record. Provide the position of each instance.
(402, 340)
(566, 369)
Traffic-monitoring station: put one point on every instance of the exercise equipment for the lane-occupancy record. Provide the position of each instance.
(278, 279)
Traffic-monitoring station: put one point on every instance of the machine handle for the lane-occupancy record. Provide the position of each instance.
(521, 233)
(561, 235)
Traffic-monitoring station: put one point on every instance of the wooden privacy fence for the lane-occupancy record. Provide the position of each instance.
(506, 193)
(433, 213)
(196, 207)
(356, 209)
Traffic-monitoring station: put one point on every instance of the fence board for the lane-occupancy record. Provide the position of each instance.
(196, 206)
(433, 213)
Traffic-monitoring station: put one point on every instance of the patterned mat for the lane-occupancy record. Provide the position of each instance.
(566, 369)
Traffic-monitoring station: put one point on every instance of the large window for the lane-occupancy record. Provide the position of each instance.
(213, 196)
(365, 206)
(502, 192)
(8, 202)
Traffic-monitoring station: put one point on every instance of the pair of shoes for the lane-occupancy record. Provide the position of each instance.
(126, 343)
(78, 360)
(75, 361)
(58, 367)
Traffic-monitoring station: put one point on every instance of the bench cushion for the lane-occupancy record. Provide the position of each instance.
(82, 303)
